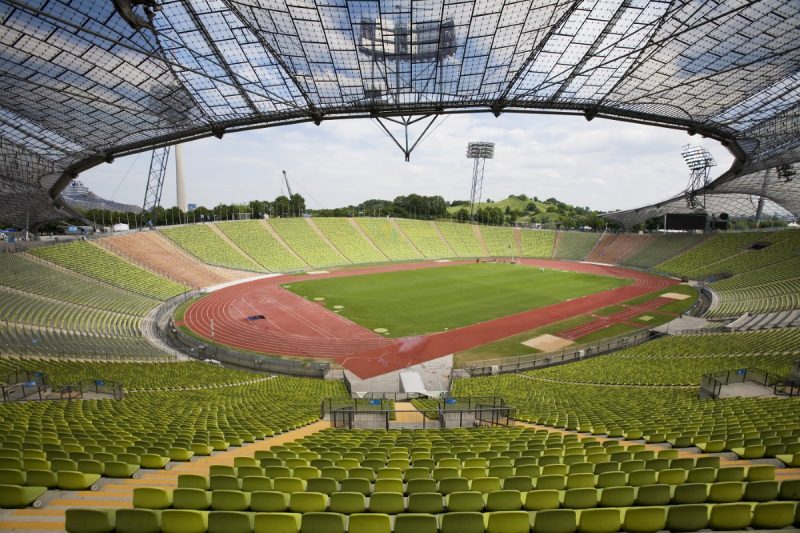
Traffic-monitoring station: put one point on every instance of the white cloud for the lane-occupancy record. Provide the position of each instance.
(602, 164)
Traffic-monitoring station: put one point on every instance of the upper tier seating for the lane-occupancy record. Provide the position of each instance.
(94, 262)
(462, 239)
(348, 240)
(702, 260)
(426, 237)
(684, 359)
(259, 244)
(305, 242)
(152, 250)
(780, 319)
(26, 273)
(537, 243)
(615, 248)
(202, 242)
(386, 236)
(133, 376)
(662, 248)
(500, 242)
(25, 340)
(574, 244)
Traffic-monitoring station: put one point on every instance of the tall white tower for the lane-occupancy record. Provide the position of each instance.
(180, 181)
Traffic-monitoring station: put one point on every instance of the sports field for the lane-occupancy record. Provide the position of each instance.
(428, 300)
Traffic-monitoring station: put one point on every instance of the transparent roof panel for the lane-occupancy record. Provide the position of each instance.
(80, 84)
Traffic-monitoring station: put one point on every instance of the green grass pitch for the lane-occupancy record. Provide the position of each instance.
(427, 300)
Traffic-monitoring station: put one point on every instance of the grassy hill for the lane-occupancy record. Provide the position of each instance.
(548, 211)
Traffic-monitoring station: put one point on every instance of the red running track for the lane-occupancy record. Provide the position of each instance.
(294, 326)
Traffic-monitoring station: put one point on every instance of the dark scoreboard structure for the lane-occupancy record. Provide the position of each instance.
(686, 222)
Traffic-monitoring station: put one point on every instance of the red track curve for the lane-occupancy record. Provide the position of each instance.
(297, 327)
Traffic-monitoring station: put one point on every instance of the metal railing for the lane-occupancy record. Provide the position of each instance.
(711, 384)
(566, 355)
(479, 415)
(32, 391)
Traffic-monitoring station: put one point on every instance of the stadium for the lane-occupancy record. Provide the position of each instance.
(291, 372)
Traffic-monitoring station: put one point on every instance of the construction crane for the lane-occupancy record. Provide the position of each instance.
(286, 181)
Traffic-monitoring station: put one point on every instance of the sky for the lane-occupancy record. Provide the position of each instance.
(602, 164)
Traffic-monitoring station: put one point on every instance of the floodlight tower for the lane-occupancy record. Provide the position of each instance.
(699, 160)
(479, 152)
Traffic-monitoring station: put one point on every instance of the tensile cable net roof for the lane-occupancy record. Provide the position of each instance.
(81, 86)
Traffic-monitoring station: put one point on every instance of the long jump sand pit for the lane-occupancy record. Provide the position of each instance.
(547, 343)
(675, 296)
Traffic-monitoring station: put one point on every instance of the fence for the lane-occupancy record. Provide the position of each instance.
(573, 353)
(711, 384)
(444, 413)
(349, 418)
(32, 391)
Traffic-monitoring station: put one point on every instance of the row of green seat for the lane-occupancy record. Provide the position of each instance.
(202, 242)
(692, 517)
(93, 261)
(25, 273)
(291, 495)
(131, 375)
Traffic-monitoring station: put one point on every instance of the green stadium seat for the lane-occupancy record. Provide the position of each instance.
(386, 503)
(327, 522)
(773, 515)
(461, 522)
(465, 502)
(599, 521)
(450, 485)
(730, 516)
(690, 493)
(277, 523)
(790, 489)
(361, 486)
(369, 523)
(269, 501)
(761, 491)
(308, 502)
(761, 473)
(688, 517)
(230, 522)
(347, 502)
(89, 520)
(74, 480)
(507, 522)
(197, 499)
(13, 496)
(151, 498)
(415, 523)
(645, 519)
(580, 498)
(504, 500)
(726, 492)
(555, 521)
(425, 502)
(138, 521)
(183, 521)
(653, 495)
(617, 497)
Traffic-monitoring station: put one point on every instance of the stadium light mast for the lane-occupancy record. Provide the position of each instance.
(699, 160)
(479, 152)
